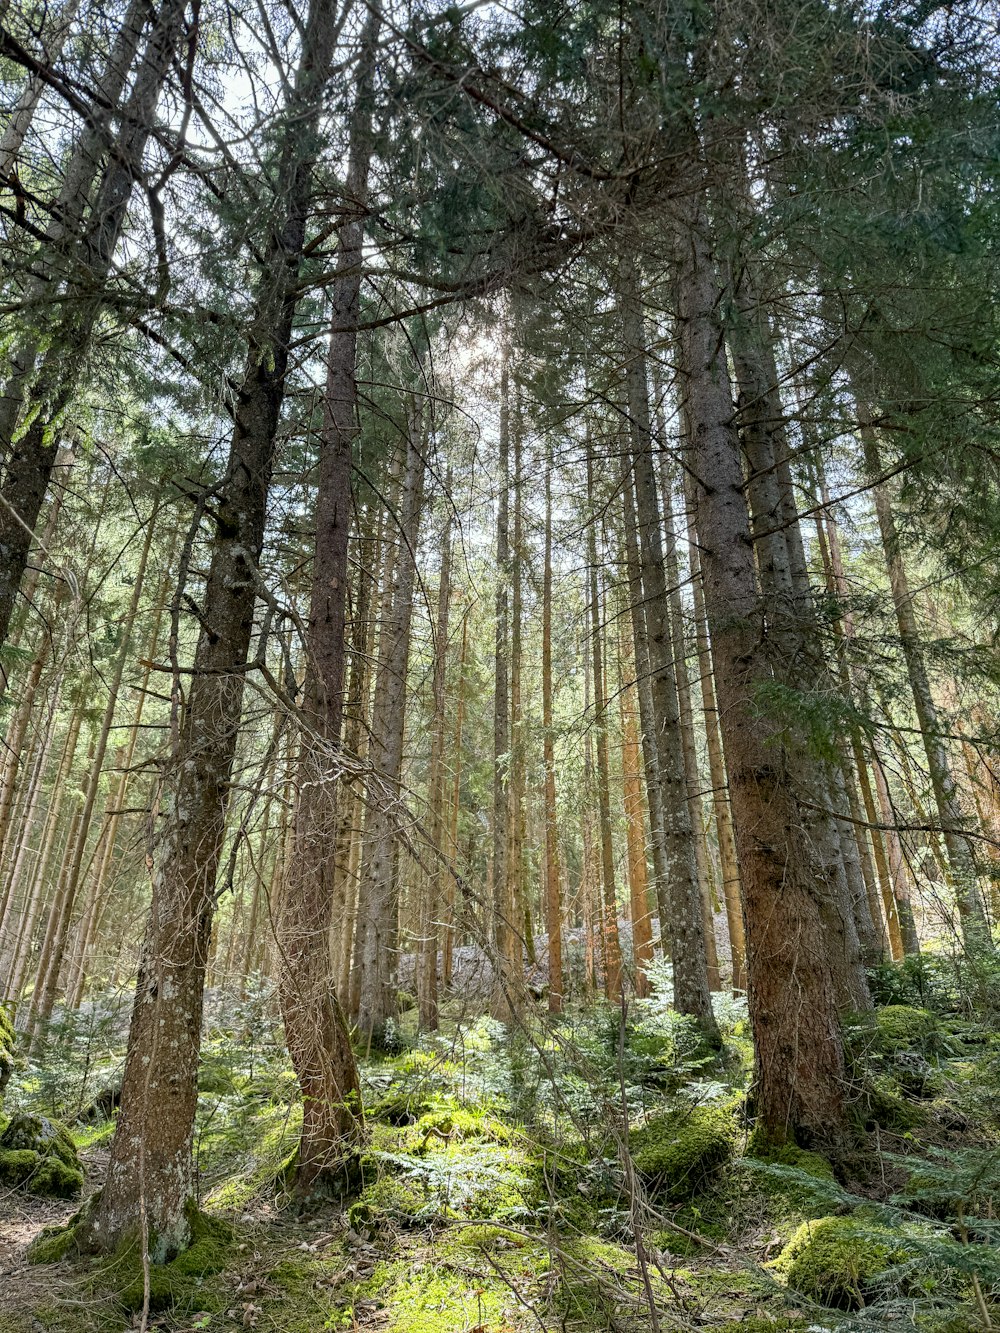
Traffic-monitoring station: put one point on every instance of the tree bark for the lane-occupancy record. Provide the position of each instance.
(149, 1186)
(799, 1085)
(433, 897)
(553, 883)
(378, 885)
(610, 946)
(315, 1028)
(506, 942)
(687, 928)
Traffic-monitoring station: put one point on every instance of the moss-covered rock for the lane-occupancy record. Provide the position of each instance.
(881, 1103)
(789, 1154)
(898, 1027)
(38, 1155)
(837, 1261)
(678, 1154)
(7, 1043)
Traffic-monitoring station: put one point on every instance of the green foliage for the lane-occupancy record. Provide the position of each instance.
(38, 1155)
(925, 981)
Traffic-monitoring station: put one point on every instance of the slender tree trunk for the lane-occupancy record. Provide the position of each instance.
(635, 822)
(692, 777)
(506, 944)
(378, 883)
(149, 1184)
(8, 912)
(456, 806)
(116, 803)
(610, 947)
(431, 900)
(728, 865)
(54, 39)
(74, 870)
(553, 884)
(961, 862)
(692, 994)
(651, 768)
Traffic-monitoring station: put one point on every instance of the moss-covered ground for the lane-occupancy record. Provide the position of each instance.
(576, 1177)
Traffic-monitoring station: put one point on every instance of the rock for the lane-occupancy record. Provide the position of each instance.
(7, 1043)
(678, 1154)
(38, 1155)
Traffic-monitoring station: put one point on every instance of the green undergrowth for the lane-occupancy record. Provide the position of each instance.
(566, 1176)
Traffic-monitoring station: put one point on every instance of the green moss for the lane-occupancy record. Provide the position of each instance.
(387, 1197)
(837, 1260)
(763, 1324)
(680, 1153)
(424, 1298)
(788, 1154)
(463, 1240)
(8, 1041)
(901, 1028)
(177, 1283)
(38, 1155)
(52, 1244)
(881, 1103)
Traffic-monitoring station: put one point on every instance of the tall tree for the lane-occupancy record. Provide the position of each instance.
(315, 1028)
(149, 1189)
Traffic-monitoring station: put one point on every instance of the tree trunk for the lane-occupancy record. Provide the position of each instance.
(24, 110)
(610, 947)
(553, 885)
(432, 899)
(506, 943)
(687, 926)
(800, 1077)
(44, 1001)
(149, 1186)
(791, 632)
(378, 886)
(728, 865)
(961, 862)
(635, 820)
(315, 1028)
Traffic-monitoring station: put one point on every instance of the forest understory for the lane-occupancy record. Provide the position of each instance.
(598, 1172)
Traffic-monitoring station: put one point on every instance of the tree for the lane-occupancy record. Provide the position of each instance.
(149, 1187)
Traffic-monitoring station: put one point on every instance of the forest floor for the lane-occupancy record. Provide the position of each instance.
(592, 1175)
